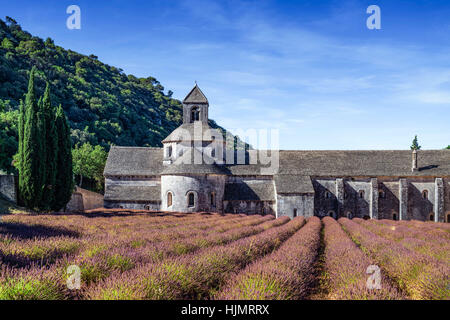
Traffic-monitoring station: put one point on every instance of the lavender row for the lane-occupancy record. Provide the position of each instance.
(418, 275)
(345, 266)
(102, 263)
(286, 274)
(47, 250)
(412, 238)
(427, 230)
(193, 276)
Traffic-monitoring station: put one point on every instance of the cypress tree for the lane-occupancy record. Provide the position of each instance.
(415, 144)
(41, 145)
(20, 164)
(31, 186)
(64, 179)
(50, 150)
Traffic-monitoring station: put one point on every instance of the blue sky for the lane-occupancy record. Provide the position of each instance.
(311, 69)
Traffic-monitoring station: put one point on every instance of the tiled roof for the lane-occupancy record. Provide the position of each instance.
(293, 184)
(258, 190)
(132, 193)
(196, 131)
(370, 163)
(133, 161)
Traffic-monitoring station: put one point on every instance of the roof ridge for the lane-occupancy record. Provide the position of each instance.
(134, 147)
(350, 150)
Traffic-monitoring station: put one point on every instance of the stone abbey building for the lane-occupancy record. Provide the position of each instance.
(189, 174)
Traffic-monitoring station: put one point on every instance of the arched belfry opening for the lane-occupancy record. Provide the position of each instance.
(195, 114)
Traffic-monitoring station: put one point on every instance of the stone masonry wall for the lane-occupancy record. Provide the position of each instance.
(388, 199)
(8, 187)
(201, 185)
(289, 204)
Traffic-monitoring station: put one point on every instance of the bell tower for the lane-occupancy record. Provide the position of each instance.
(195, 107)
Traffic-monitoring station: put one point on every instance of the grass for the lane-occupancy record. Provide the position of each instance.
(8, 207)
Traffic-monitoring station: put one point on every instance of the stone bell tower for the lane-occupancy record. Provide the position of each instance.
(195, 107)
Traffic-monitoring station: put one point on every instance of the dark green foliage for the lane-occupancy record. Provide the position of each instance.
(64, 179)
(89, 162)
(415, 144)
(31, 164)
(448, 147)
(8, 137)
(50, 150)
(103, 105)
(19, 164)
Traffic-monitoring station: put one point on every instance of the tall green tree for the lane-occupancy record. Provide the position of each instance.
(50, 150)
(89, 162)
(19, 159)
(64, 179)
(415, 144)
(32, 164)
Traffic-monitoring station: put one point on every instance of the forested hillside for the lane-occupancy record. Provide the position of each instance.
(104, 105)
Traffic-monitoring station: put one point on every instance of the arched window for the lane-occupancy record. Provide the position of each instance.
(195, 114)
(332, 214)
(425, 194)
(394, 216)
(169, 199)
(381, 194)
(212, 198)
(191, 199)
(169, 151)
(431, 217)
(349, 214)
(361, 194)
(295, 212)
(213, 152)
(147, 207)
(448, 217)
(327, 194)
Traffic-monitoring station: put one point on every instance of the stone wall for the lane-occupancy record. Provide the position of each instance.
(420, 206)
(8, 187)
(446, 199)
(325, 197)
(249, 207)
(76, 203)
(91, 200)
(292, 205)
(83, 199)
(138, 205)
(200, 185)
(388, 199)
(343, 197)
(357, 198)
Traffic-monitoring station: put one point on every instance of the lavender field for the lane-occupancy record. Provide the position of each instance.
(143, 255)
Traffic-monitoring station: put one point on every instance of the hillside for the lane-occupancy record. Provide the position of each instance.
(104, 105)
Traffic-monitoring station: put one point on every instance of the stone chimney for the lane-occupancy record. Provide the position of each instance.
(415, 166)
